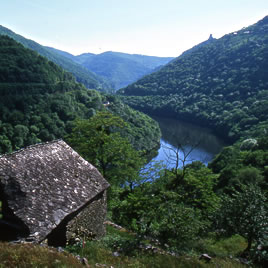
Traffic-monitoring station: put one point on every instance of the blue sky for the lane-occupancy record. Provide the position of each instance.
(149, 27)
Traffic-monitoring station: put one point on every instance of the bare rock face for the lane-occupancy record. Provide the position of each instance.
(47, 187)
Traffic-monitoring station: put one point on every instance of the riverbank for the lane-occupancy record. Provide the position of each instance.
(183, 138)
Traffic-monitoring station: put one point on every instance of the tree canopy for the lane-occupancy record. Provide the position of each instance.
(98, 140)
(39, 102)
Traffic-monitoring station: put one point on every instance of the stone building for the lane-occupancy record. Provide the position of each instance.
(49, 192)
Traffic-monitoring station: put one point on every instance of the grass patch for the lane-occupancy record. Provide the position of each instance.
(232, 246)
(130, 255)
(32, 256)
(97, 254)
(101, 254)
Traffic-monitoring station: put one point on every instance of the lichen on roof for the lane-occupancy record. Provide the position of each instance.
(46, 182)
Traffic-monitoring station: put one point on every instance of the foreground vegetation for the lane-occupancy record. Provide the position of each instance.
(220, 210)
(120, 248)
(30, 255)
(181, 207)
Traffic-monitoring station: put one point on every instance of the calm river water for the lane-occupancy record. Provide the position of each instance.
(203, 143)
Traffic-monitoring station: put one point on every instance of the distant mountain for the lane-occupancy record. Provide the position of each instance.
(81, 74)
(104, 72)
(120, 69)
(222, 84)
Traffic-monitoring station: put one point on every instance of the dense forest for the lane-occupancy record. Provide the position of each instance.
(220, 209)
(222, 84)
(39, 101)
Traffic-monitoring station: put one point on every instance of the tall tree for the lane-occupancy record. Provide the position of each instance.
(245, 213)
(98, 140)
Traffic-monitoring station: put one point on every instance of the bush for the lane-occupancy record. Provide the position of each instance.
(245, 213)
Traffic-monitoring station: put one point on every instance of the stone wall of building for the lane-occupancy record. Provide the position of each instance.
(89, 223)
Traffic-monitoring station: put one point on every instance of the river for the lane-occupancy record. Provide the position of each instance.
(199, 142)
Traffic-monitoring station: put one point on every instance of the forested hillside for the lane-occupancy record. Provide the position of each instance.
(219, 209)
(82, 75)
(222, 84)
(39, 101)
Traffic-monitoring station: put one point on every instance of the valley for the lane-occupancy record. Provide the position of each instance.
(205, 192)
(222, 85)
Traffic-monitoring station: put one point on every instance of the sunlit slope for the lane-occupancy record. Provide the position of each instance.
(223, 84)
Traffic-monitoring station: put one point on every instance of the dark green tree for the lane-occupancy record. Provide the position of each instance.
(245, 213)
(98, 140)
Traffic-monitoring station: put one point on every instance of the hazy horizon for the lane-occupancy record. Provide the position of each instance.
(155, 28)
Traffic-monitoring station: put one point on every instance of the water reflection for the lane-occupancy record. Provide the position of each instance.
(202, 143)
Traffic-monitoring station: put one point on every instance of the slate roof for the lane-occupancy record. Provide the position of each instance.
(46, 182)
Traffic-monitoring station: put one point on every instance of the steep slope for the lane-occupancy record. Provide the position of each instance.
(39, 101)
(121, 69)
(81, 74)
(222, 84)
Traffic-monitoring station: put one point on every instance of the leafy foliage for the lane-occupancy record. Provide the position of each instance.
(180, 207)
(98, 141)
(175, 214)
(236, 167)
(142, 131)
(245, 213)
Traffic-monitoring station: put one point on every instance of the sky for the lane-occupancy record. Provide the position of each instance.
(150, 27)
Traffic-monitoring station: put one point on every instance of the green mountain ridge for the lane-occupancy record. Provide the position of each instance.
(222, 84)
(81, 74)
(39, 102)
